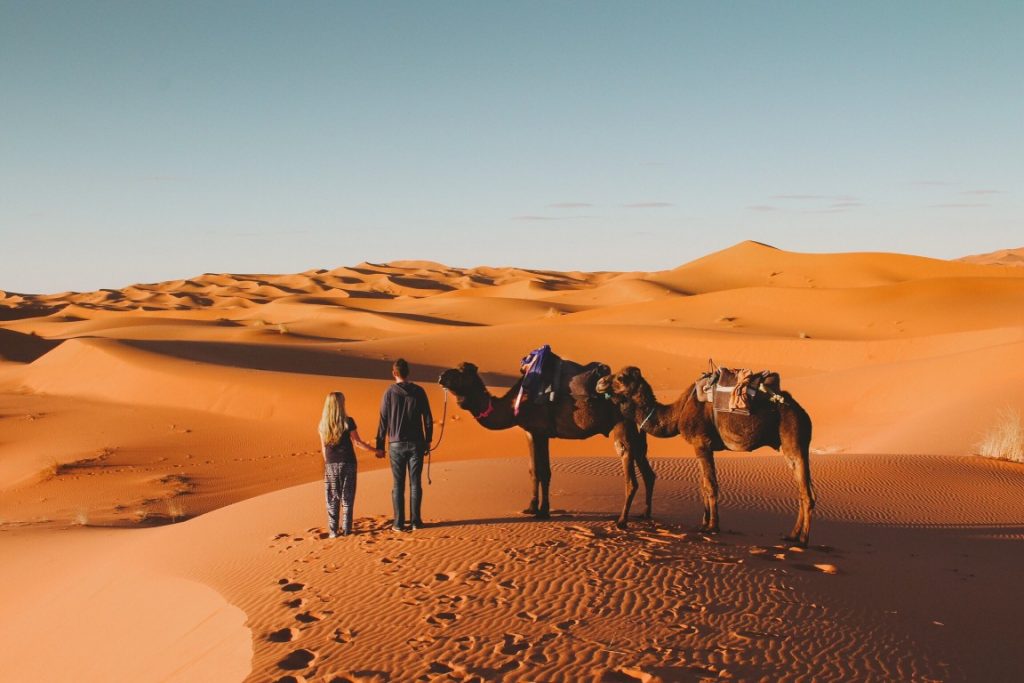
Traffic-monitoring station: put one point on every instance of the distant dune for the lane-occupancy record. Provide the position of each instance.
(1003, 257)
(126, 412)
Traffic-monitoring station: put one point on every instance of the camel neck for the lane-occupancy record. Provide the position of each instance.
(655, 418)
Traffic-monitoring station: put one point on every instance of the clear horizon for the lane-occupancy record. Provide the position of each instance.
(149, 141)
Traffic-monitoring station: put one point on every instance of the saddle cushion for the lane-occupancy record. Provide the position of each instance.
(732, 390)
(548, 376)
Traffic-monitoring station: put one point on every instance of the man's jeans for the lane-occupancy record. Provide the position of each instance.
(406, 457)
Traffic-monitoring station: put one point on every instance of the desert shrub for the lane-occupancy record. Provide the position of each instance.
(50, 470)
(1005, 440)
(175, 508)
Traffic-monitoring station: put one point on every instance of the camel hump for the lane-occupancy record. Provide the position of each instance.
(548, 376)
(734, 390)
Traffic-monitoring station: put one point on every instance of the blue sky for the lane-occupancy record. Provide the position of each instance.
(144, 141)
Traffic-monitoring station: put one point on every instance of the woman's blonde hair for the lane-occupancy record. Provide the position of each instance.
(334, 421)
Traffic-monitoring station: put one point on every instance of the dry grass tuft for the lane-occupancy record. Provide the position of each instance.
(51, 470)
(1005, 441)
(81, 517)
(176, 508)
(282, 329)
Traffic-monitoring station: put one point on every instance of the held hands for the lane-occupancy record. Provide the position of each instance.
(379, 452)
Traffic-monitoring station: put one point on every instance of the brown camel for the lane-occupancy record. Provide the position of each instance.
(782, 425)
(567, 417)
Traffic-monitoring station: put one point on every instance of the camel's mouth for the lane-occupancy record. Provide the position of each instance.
(604, 385)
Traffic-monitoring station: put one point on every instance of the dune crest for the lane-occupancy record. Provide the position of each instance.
(160, 440)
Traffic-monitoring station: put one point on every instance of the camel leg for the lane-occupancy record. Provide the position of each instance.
(531, 509)
(800, 463)
(708, 488)
(540, 473)
(624, 443)
(646, 471)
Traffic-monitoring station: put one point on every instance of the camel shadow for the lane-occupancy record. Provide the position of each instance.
(299, 360)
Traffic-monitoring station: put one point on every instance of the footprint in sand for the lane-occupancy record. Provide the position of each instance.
(528, 616)
(439, 668)
(466, 643)
(442, 576)
(566, 626)
(362, 676)
(442, 619)
(311, 617)
(344, 635)
(293, 604)
(298, 659)
(509, 584)
(290, 587)
(512, 644)
(450, 600)
(420, 642)
(283, 635)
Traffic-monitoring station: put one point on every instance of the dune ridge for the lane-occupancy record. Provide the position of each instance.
(161, 437)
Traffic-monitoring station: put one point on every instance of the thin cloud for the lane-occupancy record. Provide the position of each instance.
(546, 218)
(762, 207)
(932, 183)
(570, 205)
(798, 196)
(846, 205)
(957, 206)
(983, 192)
(649, 205)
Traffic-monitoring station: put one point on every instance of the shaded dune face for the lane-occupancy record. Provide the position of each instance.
(197, 400)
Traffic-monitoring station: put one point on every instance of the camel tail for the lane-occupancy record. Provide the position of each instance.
(791, 411)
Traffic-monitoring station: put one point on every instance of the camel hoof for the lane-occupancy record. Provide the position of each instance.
(531, 510)
(621, 523)
(543, 514)
(795, 540)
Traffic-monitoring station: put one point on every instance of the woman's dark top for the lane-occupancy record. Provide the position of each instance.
(343, 450)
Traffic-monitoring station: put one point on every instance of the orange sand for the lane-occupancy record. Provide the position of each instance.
(195, 402)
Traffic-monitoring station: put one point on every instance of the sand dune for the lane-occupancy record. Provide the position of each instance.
(124, 412)
(1003, 257)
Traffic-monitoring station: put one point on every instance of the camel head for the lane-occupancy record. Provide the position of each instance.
(463, 381)
(626, 388)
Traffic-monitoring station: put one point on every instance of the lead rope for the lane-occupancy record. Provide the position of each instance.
(444, 420)
(649, 415)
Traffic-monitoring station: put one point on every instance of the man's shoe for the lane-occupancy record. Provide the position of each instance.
(418, 525)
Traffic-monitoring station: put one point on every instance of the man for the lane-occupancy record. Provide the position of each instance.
(406, 421)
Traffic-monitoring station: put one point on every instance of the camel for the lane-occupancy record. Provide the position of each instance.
(567, 417)
(781, 424)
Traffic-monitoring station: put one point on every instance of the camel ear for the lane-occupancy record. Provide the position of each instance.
(632, 371)
(467, 367)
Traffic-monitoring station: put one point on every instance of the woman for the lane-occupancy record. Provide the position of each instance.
(337, 434)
